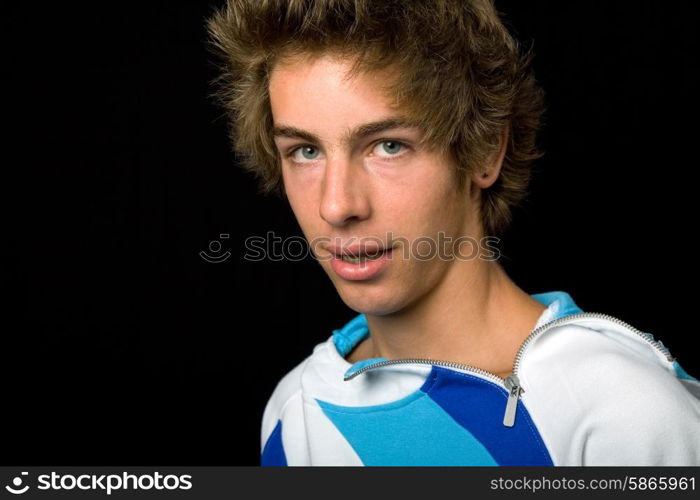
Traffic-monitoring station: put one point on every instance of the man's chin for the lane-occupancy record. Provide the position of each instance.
(376, 304)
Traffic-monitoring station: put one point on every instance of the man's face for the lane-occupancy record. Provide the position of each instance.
(369, 192)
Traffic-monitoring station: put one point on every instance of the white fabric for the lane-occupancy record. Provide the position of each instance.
(598, 393)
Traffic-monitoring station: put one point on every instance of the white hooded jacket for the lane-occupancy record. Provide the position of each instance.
(586, 389)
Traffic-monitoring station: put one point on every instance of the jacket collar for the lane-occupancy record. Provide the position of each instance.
(558, 303)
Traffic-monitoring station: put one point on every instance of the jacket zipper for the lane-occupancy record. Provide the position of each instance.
(511, 383)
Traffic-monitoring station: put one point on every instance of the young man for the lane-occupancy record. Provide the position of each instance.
(401, 132)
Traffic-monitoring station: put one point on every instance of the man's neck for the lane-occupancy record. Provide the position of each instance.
(475, 316)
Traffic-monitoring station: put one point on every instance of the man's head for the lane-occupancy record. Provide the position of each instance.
(458, 74)
(306, 83)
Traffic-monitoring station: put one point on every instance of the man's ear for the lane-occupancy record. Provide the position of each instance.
(487, 175)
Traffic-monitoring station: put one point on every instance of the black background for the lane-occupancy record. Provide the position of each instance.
(121, 345)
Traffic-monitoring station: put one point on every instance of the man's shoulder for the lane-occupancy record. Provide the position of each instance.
(597, 338)
(607, 393)
(601, 364)
(289, 388)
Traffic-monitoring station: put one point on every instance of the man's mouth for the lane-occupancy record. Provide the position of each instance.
(364, 257)
(360, 262)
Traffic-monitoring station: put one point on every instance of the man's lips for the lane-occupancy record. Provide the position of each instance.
(360, 263)
(355, 251)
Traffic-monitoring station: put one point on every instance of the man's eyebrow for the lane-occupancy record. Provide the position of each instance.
(352, 136)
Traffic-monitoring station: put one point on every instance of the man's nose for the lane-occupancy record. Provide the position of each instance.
(343, 195)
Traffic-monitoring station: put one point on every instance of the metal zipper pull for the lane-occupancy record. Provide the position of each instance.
(513, 385)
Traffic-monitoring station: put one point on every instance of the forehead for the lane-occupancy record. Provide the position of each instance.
(332, 65)
(318, 87)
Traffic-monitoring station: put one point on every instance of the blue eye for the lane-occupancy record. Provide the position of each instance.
(307, 152)
(390, 149)
(394, 147)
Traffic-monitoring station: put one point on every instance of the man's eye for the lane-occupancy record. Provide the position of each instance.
(302, 153)
(389, 148)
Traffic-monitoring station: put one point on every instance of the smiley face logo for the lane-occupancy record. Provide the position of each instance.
(215, 247)
(17, 483)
